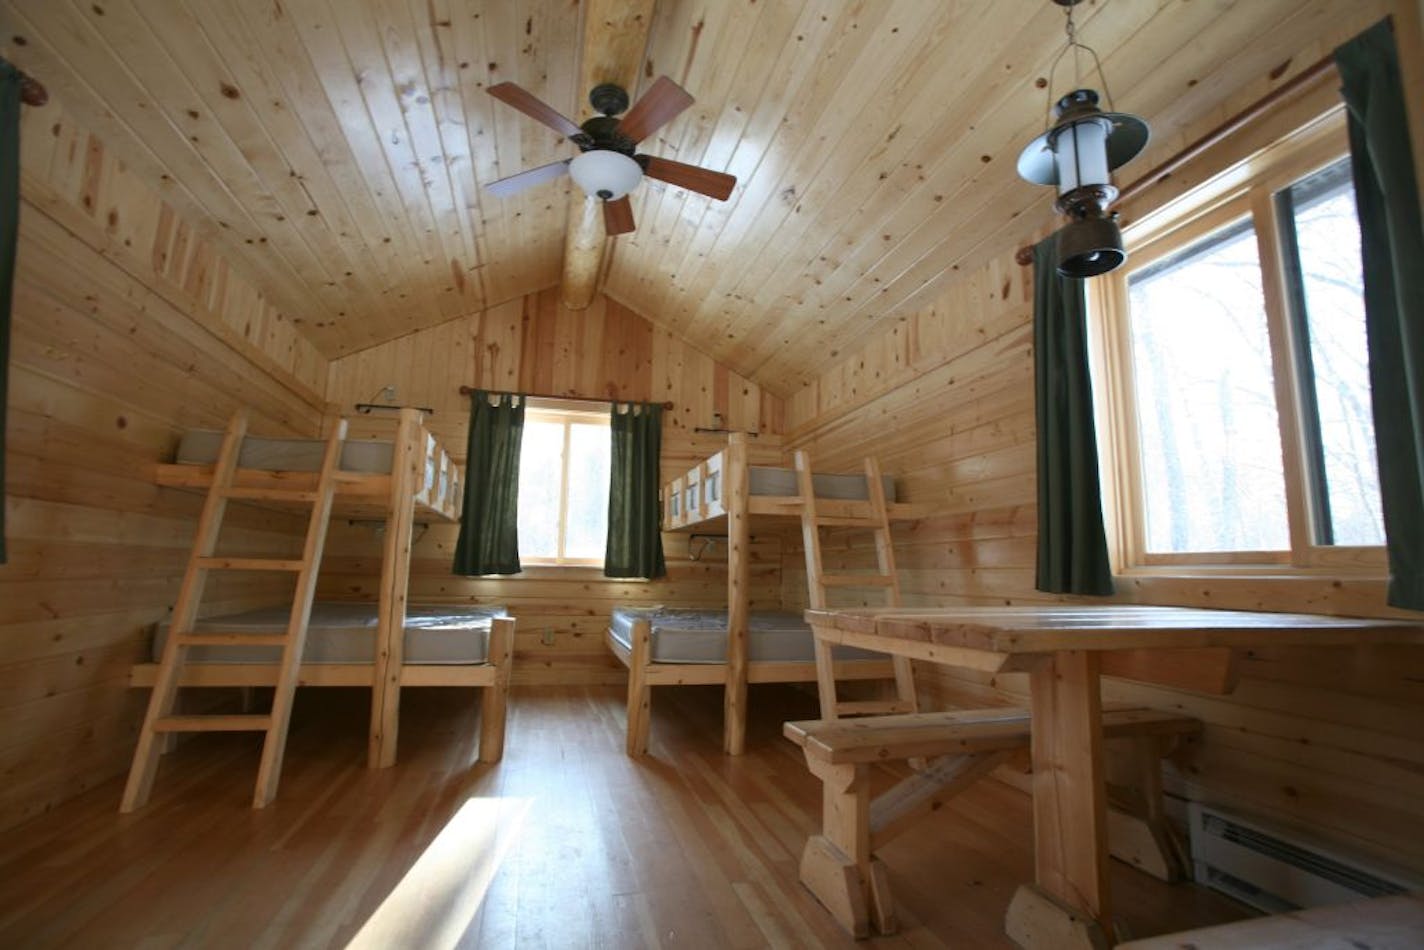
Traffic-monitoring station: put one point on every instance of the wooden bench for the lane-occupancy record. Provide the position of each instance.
(958, 748)
(1385, 923)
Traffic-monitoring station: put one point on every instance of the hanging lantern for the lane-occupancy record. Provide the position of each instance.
(1078, 153)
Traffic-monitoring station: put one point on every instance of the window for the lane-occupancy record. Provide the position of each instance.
(1237, 401)
(563, 487)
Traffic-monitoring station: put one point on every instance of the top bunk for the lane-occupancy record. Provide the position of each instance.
(364, 482)
(698, 499)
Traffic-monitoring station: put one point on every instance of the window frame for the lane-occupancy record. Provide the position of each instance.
(565, 413)
(1245, 190)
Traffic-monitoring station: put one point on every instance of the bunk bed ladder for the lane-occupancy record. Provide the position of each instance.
(160, 719)
(819, 582)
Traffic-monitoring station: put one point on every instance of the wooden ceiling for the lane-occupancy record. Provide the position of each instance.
(337, 147)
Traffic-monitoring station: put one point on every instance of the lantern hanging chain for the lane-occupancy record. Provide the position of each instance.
(1070, 29)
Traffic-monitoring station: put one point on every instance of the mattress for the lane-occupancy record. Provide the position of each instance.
(201, 447)
(692, 635)
(346, 633)
(782, 481)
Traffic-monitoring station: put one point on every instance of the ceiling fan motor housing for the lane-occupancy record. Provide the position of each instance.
(602, 133)
(609, 99)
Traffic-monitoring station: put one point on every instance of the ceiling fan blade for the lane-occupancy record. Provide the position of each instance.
(701, 180)
(534, 107)
(517, 183)
(618, 216)
(662, 103)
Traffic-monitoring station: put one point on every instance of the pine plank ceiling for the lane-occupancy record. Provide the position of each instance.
(337, 147)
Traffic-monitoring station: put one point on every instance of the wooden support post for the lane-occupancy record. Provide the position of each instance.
(640, 694)
(406, 475)
(583, 250)
(494, 701)
(1069, 813)
(737, 490)
(615, 32)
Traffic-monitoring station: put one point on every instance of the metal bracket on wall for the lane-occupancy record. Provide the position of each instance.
(718, 429)
(708, 540)
(365, 408)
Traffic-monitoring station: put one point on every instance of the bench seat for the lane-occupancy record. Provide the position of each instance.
(956, 732)
(950, 751)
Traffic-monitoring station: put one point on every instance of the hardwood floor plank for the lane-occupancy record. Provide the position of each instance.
(567, 842)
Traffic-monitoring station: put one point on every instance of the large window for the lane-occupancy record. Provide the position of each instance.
(1237, 403)
(563, 487)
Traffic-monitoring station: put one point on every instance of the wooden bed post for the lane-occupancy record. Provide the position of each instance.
(495, 698)
(736, 489)
(640, 694)
(406, 463)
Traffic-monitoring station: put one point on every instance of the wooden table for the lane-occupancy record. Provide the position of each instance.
(1065, 649)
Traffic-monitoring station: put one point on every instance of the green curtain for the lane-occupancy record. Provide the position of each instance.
(635, 539)
(1392, 248)
(1072, 547)
(489, 525)
(9, 234)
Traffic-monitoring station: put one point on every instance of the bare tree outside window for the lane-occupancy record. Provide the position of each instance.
(1327, 238)
(1211, 469)
(1210, 440)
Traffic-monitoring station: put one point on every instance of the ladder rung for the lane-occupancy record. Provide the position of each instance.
(250, 564)
(848, 521)
(873, 707)
(856, 580)
(272, 494)
(207, 639)
(213, 724)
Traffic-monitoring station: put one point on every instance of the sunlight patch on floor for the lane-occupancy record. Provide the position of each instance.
(434, 903)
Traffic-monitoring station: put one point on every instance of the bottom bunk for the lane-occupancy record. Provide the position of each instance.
(442, 646)
(680, 646)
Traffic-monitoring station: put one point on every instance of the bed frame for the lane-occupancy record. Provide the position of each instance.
(715, 496)
(423, 486)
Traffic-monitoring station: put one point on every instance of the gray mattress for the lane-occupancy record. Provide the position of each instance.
(346, 633)
(782, 481)
(201, 446)
(693, 635)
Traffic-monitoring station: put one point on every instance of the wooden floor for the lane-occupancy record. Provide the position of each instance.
(566, 843)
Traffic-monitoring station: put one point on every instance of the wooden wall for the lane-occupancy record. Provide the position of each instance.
(127, 329)
(1331, 741)
(534, 345)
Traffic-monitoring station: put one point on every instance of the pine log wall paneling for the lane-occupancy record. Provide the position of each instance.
(533, 344)
(127, 328)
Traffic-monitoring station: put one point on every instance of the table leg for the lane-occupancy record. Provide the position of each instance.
(1069, 905)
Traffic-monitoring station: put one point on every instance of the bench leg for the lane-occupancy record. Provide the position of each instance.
(837, 865)
(1139, 832)
(640, 694)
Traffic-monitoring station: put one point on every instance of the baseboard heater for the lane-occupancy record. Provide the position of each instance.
(1276, 871)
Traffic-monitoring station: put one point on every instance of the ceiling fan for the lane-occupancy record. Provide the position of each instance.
(607, 167)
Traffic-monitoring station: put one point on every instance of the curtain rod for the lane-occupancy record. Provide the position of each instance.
(1292, 86)
(470, 390)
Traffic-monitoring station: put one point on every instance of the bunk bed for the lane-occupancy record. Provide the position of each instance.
(664, 646)
(385, 645)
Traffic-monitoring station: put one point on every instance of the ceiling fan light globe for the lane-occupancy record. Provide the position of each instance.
(604, 174)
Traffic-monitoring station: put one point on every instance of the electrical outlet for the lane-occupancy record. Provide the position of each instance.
(547, 637)
(388, 394)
